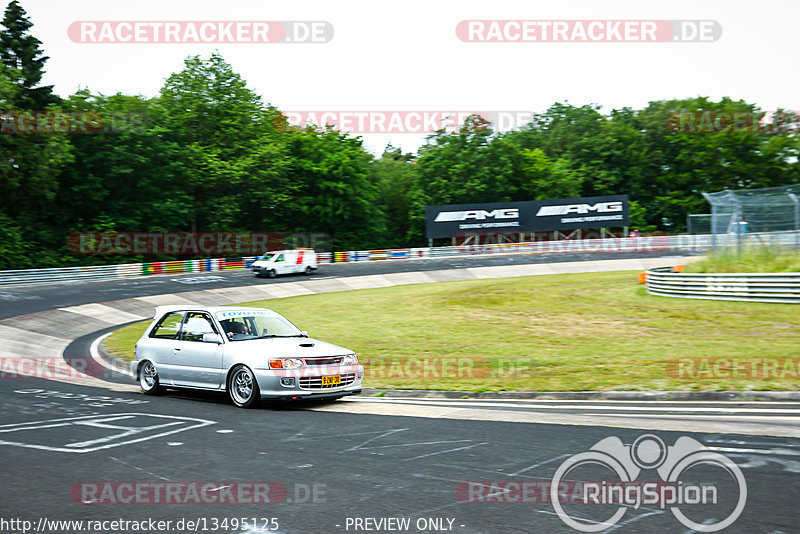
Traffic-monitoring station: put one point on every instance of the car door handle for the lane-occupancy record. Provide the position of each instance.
(176, 349)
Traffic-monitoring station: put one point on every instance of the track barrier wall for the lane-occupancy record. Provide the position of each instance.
(650, 244)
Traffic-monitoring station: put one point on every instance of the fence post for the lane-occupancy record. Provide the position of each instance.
(796, 203)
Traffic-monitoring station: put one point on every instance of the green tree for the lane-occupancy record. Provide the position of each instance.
(397, 187)
(548, 179)
(127, 174)
(29, 162)
(333, 189)
(232, 147)
(20, 51)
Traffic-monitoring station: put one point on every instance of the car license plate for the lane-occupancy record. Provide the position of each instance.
(332, 380)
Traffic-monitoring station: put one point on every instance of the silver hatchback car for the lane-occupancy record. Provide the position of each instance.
(252, 353)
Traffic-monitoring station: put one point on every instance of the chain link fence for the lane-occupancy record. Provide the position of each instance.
(698, 224)
(745, 217)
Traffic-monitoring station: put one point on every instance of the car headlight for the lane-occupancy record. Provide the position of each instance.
(288, 363)
(350, 359)
(292, 363)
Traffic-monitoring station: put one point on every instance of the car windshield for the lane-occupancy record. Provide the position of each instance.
(268, 256)
(256, 324)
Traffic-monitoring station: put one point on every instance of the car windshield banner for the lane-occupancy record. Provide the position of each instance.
(527, 216)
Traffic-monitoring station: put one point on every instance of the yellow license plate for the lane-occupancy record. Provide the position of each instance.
(332, 380)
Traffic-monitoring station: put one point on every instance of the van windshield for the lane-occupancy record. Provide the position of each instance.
(269, 255)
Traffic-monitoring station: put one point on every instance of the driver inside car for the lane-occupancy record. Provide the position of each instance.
(233, 328)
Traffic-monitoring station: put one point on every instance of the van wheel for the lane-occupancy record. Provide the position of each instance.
(243, 387)
(309, 270)
(271, 273)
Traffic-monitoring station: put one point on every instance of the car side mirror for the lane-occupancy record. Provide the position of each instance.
(212, 338)
(304, 332)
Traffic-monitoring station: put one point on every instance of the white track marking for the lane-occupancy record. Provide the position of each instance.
(94, 352)
(388, 433)
(98, 421)
(445, 452)
(537, 405)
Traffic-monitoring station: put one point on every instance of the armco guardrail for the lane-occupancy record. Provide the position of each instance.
(649, 244)
(753, 287)
(115, 272)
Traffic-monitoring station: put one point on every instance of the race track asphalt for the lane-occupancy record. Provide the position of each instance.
(74, 451)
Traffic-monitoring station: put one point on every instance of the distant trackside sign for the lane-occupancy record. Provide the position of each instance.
(527, 216)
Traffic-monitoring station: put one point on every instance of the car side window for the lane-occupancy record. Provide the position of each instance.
(168, 327)
(195, 325)
(279, 258)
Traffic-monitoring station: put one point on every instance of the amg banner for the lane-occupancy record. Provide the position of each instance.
(527, 216)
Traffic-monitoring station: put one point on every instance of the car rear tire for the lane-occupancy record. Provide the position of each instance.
(148, 379)
(309, 270)
(243, 387)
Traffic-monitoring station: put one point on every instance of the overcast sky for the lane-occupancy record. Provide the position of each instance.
(387, 56)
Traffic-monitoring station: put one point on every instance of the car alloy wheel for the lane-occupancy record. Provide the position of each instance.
(148, 379)
(243, 388)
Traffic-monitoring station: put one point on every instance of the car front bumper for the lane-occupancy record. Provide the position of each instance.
(289, 386)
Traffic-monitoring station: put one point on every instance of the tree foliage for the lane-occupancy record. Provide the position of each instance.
(207, 154)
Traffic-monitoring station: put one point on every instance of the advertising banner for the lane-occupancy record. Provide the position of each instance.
(527, 216)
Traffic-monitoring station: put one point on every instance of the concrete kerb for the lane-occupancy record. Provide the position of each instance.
(109, 360)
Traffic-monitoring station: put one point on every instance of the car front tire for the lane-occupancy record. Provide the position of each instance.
(148, 379)
(243, 387)
(271, 273)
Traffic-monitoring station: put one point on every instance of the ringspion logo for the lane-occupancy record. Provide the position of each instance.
(676, 491)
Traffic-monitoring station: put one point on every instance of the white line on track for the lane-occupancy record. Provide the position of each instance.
(496, 404)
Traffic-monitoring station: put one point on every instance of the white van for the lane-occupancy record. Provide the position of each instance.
(271, 264)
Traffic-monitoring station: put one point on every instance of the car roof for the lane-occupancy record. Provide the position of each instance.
(161, 310)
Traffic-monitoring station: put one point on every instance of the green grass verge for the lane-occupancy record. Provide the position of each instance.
(121, 342)
(750, 260)
(547, 333)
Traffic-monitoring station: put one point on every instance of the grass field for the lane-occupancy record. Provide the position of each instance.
(547, 333)
(749, 260)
